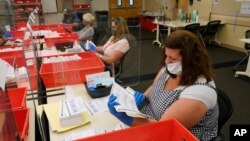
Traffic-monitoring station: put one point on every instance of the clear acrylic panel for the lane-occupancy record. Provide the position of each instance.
(130, 74)
(8, 128)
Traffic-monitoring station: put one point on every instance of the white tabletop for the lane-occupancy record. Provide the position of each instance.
(245, 40)
(103, 120)
(151, 14)
(178, 24)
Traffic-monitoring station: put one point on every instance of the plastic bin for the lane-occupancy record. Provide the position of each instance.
(70, 72)
(20, 24)
(17, 54)
(83, 55)
(18, 1)
(17, 97)
(22, 122)
(30, 8)
(54, 27)
(31, 1)
(33, 77)
(169, 130)
(51, 41)
(17, 33)
(147, 24)
(80, 6)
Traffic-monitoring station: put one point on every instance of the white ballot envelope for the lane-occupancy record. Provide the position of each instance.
(126, 100)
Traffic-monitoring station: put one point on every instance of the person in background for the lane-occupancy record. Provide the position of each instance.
(87, 32)
(117, 45)
(4, 36)
(183, 89)
(2, 40)
(71, 18)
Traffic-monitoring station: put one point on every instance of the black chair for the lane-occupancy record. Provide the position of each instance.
(247, 51)
(194, 28)
(226, 109)
(96, 36)
(127, 71)
(210, 31)
(118, 69)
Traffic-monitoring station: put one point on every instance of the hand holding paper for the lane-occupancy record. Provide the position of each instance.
(89, 45)
(126, 101)
(120, 115)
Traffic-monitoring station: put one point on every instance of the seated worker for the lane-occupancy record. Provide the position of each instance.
(117, 45)
(4, 36)
(71, 18)
(87, 32)
(183, 89)
(2, 40)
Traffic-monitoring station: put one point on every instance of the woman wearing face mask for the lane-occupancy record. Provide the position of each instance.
(117, 45)
(183, 89)
(87, 32)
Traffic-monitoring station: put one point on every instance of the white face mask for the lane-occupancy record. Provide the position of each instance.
(175, 68)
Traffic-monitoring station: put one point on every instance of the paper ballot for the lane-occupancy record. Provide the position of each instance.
(71, 114)
(4, 70)
(126, 100)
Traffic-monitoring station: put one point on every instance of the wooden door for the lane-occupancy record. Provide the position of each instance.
(125, 8)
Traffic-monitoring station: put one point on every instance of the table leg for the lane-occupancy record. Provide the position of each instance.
(157, 36)
(216, 39)
(169, 30)
(247, 72)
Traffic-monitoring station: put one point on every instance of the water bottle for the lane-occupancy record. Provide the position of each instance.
(197, 17)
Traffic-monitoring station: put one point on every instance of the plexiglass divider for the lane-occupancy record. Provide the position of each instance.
(8, 126)
(131, 65)
(36, 90)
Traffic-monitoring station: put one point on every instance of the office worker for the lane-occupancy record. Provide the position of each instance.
(183, 89)
(117, 45)
(71, 18)
(4, 36)
(87, 32)
(2, 40)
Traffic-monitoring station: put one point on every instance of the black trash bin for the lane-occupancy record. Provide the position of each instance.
(102, 20)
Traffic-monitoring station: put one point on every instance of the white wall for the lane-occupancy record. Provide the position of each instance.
(99, 5)
(49, 6)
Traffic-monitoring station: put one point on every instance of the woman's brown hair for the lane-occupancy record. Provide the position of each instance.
(122, 28)
(195, 59)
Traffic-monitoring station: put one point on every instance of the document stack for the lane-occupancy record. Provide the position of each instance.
(70, 112)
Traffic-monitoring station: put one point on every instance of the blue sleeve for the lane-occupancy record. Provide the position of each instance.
(76, 19)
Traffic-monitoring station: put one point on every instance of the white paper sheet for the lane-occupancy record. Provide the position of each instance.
(91, 132)
(126, 101)
(97, 105)
(4, 69)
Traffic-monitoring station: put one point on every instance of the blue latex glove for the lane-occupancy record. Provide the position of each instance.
(84, 46)
(120, 115)
(7, 34)
(140, 99)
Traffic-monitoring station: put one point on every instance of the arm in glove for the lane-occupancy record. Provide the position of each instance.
(140, 99)
(120, 115)
(7, 34)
